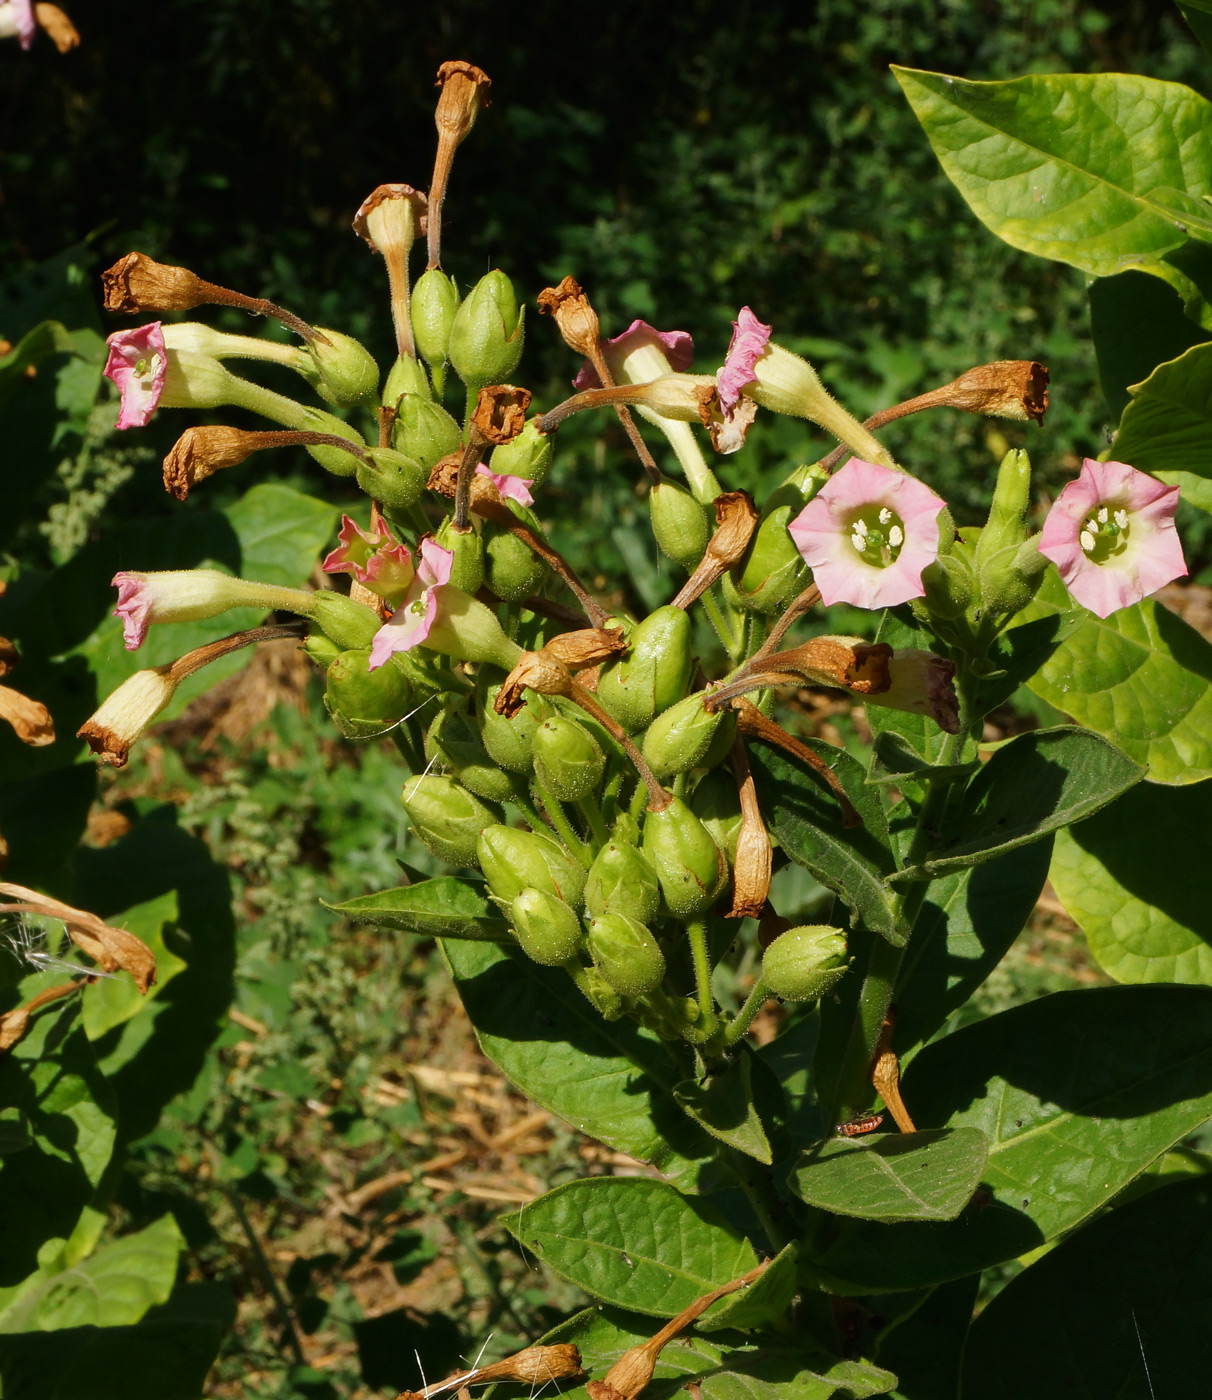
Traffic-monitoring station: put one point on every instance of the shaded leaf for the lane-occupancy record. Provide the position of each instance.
(924, 1347)
(445, 907)
(894, 1176)
(112, 1000)
(1127, 877)
(724, 1105)
(1122, 1308)
(790, 1056)
(764, 1301)
(1167, 427)
(1140, 677)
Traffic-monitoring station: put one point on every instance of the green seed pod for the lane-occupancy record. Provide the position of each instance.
(655, 672)
(528, 455)
(435, 300)
(621, 880)
(510, 742)
(567, 759)
(467, 546)
(447, 817)
(689, 865)
(349, 624)
(804, 963)
(772, 571)
(626, 954)
(951, 585)
(364, 704)
(424, 431)
(405, 377)
(487, 334)
(679, 738)
(455, 741)
(514, 571)
(717, 804)
(601, 995)
(547, 929)
(679, 523)
(345, 371)
(392, 479)
(321, 649)
(515, 860)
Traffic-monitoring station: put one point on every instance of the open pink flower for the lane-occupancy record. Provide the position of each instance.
(376, 561)
(676, 349)
(868, 534)
(749, 340)
(409, 625)
(138, 364)
(514, 488)
(17, 18)
(1111, 534)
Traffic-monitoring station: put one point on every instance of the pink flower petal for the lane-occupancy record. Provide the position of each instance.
(134, 608)
(23, 18)
(137, 364)
(436, 563)
(515, 488)
(407, 627)
(749, 340)
(1152, 554)
(677, 347)
(354, 549)
(822, 534)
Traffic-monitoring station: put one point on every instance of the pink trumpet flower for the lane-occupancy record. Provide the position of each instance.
(675, 348)
(376, 561)
(868, 534)
(138, 365)
(1111, 534)
(749, 341)
(513, 488)
(409, 625)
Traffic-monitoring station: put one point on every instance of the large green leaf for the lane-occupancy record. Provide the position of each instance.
(113, 1287)
(53, 1079)
(723, 1103)
(608, 1078)
(924, 1347)
(602, 1335)
(634, 1242)
(894, 1176)
(969, 920)
(445, 907)
(1140, 677)
(1035, 784)
(764, 1301)
(1102, 170)
(1167, 427)
(803, 813)
(1077, 1093)
(1122, 1308)
(112, 1000)
(1133, 879)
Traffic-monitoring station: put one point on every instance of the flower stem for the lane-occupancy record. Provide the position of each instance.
(555, 814)
(521, 800)
(696, 931)
(743, 1019)
(732, 644)
(596, 823)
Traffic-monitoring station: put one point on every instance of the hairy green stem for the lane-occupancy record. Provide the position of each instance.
(595, 821)
(556, 815)
(696, 931)
(521, 800)
(743, 1019)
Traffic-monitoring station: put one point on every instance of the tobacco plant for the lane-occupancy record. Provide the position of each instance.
(613, 792)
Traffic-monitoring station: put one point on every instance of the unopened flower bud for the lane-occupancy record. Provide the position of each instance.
(515, 860)
(621, 880)
(510, 742)
(424, 430)
(345, 371)
(364, 704)
(679, 738)
(435, 300)
(488, 332)
(467, 546)
(547, 929)
(447, 817)
(717, 804)
(406, 376)
(773, 570)
(806, 962)
(567, 759)
(950, 584)
(391, 478)
(655, 672)
(679, 523)
(1005, 585)
(454, 739)
(528, 456)
(689, 865)
(626, 954)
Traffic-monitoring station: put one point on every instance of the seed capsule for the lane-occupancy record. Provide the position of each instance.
(655, 672)
(690, 867)
(772, 570)
(447, 817)
(547, 929)
(515, 860)
(514, 571)
(467, 546)
(717, 804)
(626, 954)
(510, 742)
(567, 759)
(364, 703)
(679, 739)
(622, 881)
(487, 333)
(804, 963)
(679, 523)
(528, 455)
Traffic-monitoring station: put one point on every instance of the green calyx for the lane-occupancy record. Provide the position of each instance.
(679, 523)
(447, 818)
(513, 570)
(680, 738)
(345, 371)
(467, 546)
(547, 929)
(804, 963)
(424, 430)
(435, 301)
(363, 703)
(772, 571)
(392, 479)
(487, 333)
(454, 741)
(515, 860)
(510, 742)
(626, 954)
(690, 867)
(527, 456)
(406, 376)
(567, 759)
(717, 804)
(621, 880)
(1009, 568)
(349, 624)
(655, 672)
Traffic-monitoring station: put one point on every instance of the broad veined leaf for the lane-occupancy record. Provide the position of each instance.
(633, 1242)
(52, 1078)
(1140, 677)
(1123, 1308)
(804, 814)
(1103, 171)
(1077, 1093)
(112, 1000)
(1167, 427)
(1132, 877)
(445, 907)
(927, 1175)
(1033, 785)
(113, 1287)
(608, 1078)
(924, 1347)
(752, 1372)
(765, 1300)
(724, 1105)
